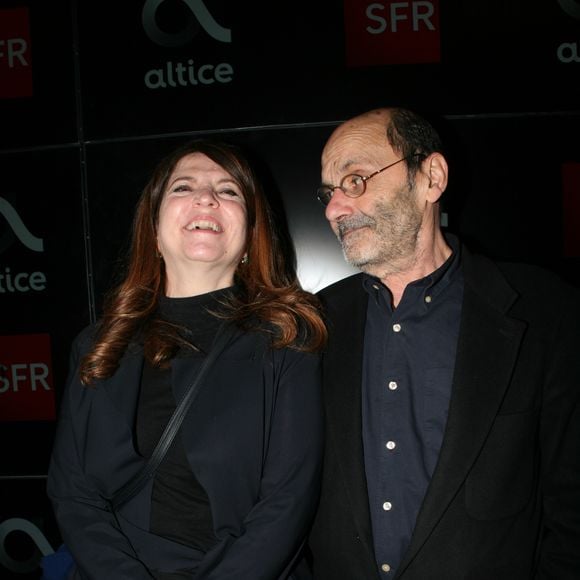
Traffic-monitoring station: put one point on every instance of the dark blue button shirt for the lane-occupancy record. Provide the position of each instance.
(409, 357)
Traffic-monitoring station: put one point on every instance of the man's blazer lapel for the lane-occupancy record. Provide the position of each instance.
(342, 368)
(487, 351)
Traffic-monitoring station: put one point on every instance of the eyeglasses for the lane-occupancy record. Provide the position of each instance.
(353, 185)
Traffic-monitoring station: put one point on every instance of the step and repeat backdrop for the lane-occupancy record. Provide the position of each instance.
(93, 94)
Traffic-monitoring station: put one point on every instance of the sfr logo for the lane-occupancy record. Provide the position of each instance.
(385, 32)
(15, 69)
(26, 392)
(571, 208)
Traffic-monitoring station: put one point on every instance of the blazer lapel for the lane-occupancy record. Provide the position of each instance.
(342, 368)
(123, 387)
(487, 351)
(120, 459)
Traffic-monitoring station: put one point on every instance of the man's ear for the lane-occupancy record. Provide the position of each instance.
(436, 169)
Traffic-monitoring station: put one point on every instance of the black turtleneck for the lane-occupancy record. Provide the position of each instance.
(180, 507)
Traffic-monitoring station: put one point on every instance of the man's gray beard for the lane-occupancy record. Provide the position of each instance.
(353, 223)
(396, 229)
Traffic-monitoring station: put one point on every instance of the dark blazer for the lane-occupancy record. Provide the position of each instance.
(253, 438)
(504, 500)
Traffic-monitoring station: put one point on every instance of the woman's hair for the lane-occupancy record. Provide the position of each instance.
(269, 289)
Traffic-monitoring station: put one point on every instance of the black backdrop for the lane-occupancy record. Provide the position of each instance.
(92, 94)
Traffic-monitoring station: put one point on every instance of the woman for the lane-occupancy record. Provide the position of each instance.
(235, 494)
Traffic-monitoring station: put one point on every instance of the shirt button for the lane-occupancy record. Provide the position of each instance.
(387, 506)
(397, 327)
(385, 568)
(428, 299)
(393, 385)
(390, 445)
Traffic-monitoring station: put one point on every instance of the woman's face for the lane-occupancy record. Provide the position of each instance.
(202, 227)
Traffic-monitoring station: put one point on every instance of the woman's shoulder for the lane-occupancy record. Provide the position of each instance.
(270, 335)
(85, 338)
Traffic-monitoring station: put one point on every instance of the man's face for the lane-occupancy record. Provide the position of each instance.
(378, 231)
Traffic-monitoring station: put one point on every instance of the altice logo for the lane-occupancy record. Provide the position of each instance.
(188, 73)
(569, 52)
(22, 233)
(201, 13)
(570, 7)
(20, 281)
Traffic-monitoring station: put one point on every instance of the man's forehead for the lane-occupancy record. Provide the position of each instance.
(349, 147)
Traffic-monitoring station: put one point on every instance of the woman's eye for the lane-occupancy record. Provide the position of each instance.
(181, 189)
(228, 193)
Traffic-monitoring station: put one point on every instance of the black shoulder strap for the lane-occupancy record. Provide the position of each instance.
(225, 332)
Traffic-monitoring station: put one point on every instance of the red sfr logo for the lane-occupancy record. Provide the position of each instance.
(26, 392)
(571, 208)
(380, 33)
(15, 67)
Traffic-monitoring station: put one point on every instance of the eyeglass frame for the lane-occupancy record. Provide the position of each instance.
(329, 189)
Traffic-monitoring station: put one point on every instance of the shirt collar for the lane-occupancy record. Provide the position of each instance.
(432, 284)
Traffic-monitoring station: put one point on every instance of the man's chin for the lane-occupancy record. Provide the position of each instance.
(355, 259)
(355, 249)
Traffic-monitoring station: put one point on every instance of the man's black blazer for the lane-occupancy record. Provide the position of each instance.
(504, 500)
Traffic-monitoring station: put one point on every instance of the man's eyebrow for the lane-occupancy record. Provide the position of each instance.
(346, 165)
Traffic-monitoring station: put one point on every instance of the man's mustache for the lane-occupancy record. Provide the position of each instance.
(354, 222)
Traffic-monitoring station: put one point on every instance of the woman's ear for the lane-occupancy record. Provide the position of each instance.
(435, 166)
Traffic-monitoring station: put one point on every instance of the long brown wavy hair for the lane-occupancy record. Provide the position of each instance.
(269, 289)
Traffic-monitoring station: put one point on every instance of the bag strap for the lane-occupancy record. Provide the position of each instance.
(129, 489)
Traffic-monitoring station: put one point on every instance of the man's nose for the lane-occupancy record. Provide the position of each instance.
(339, 206)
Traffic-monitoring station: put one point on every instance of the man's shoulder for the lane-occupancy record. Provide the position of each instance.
(526, 272)
(343, 288)
(534, 281)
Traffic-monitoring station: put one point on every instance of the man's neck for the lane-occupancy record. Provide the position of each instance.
(429, 256)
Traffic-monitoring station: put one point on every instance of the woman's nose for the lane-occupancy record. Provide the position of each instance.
(205, 196)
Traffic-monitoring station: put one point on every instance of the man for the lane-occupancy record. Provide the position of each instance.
(451, 383)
